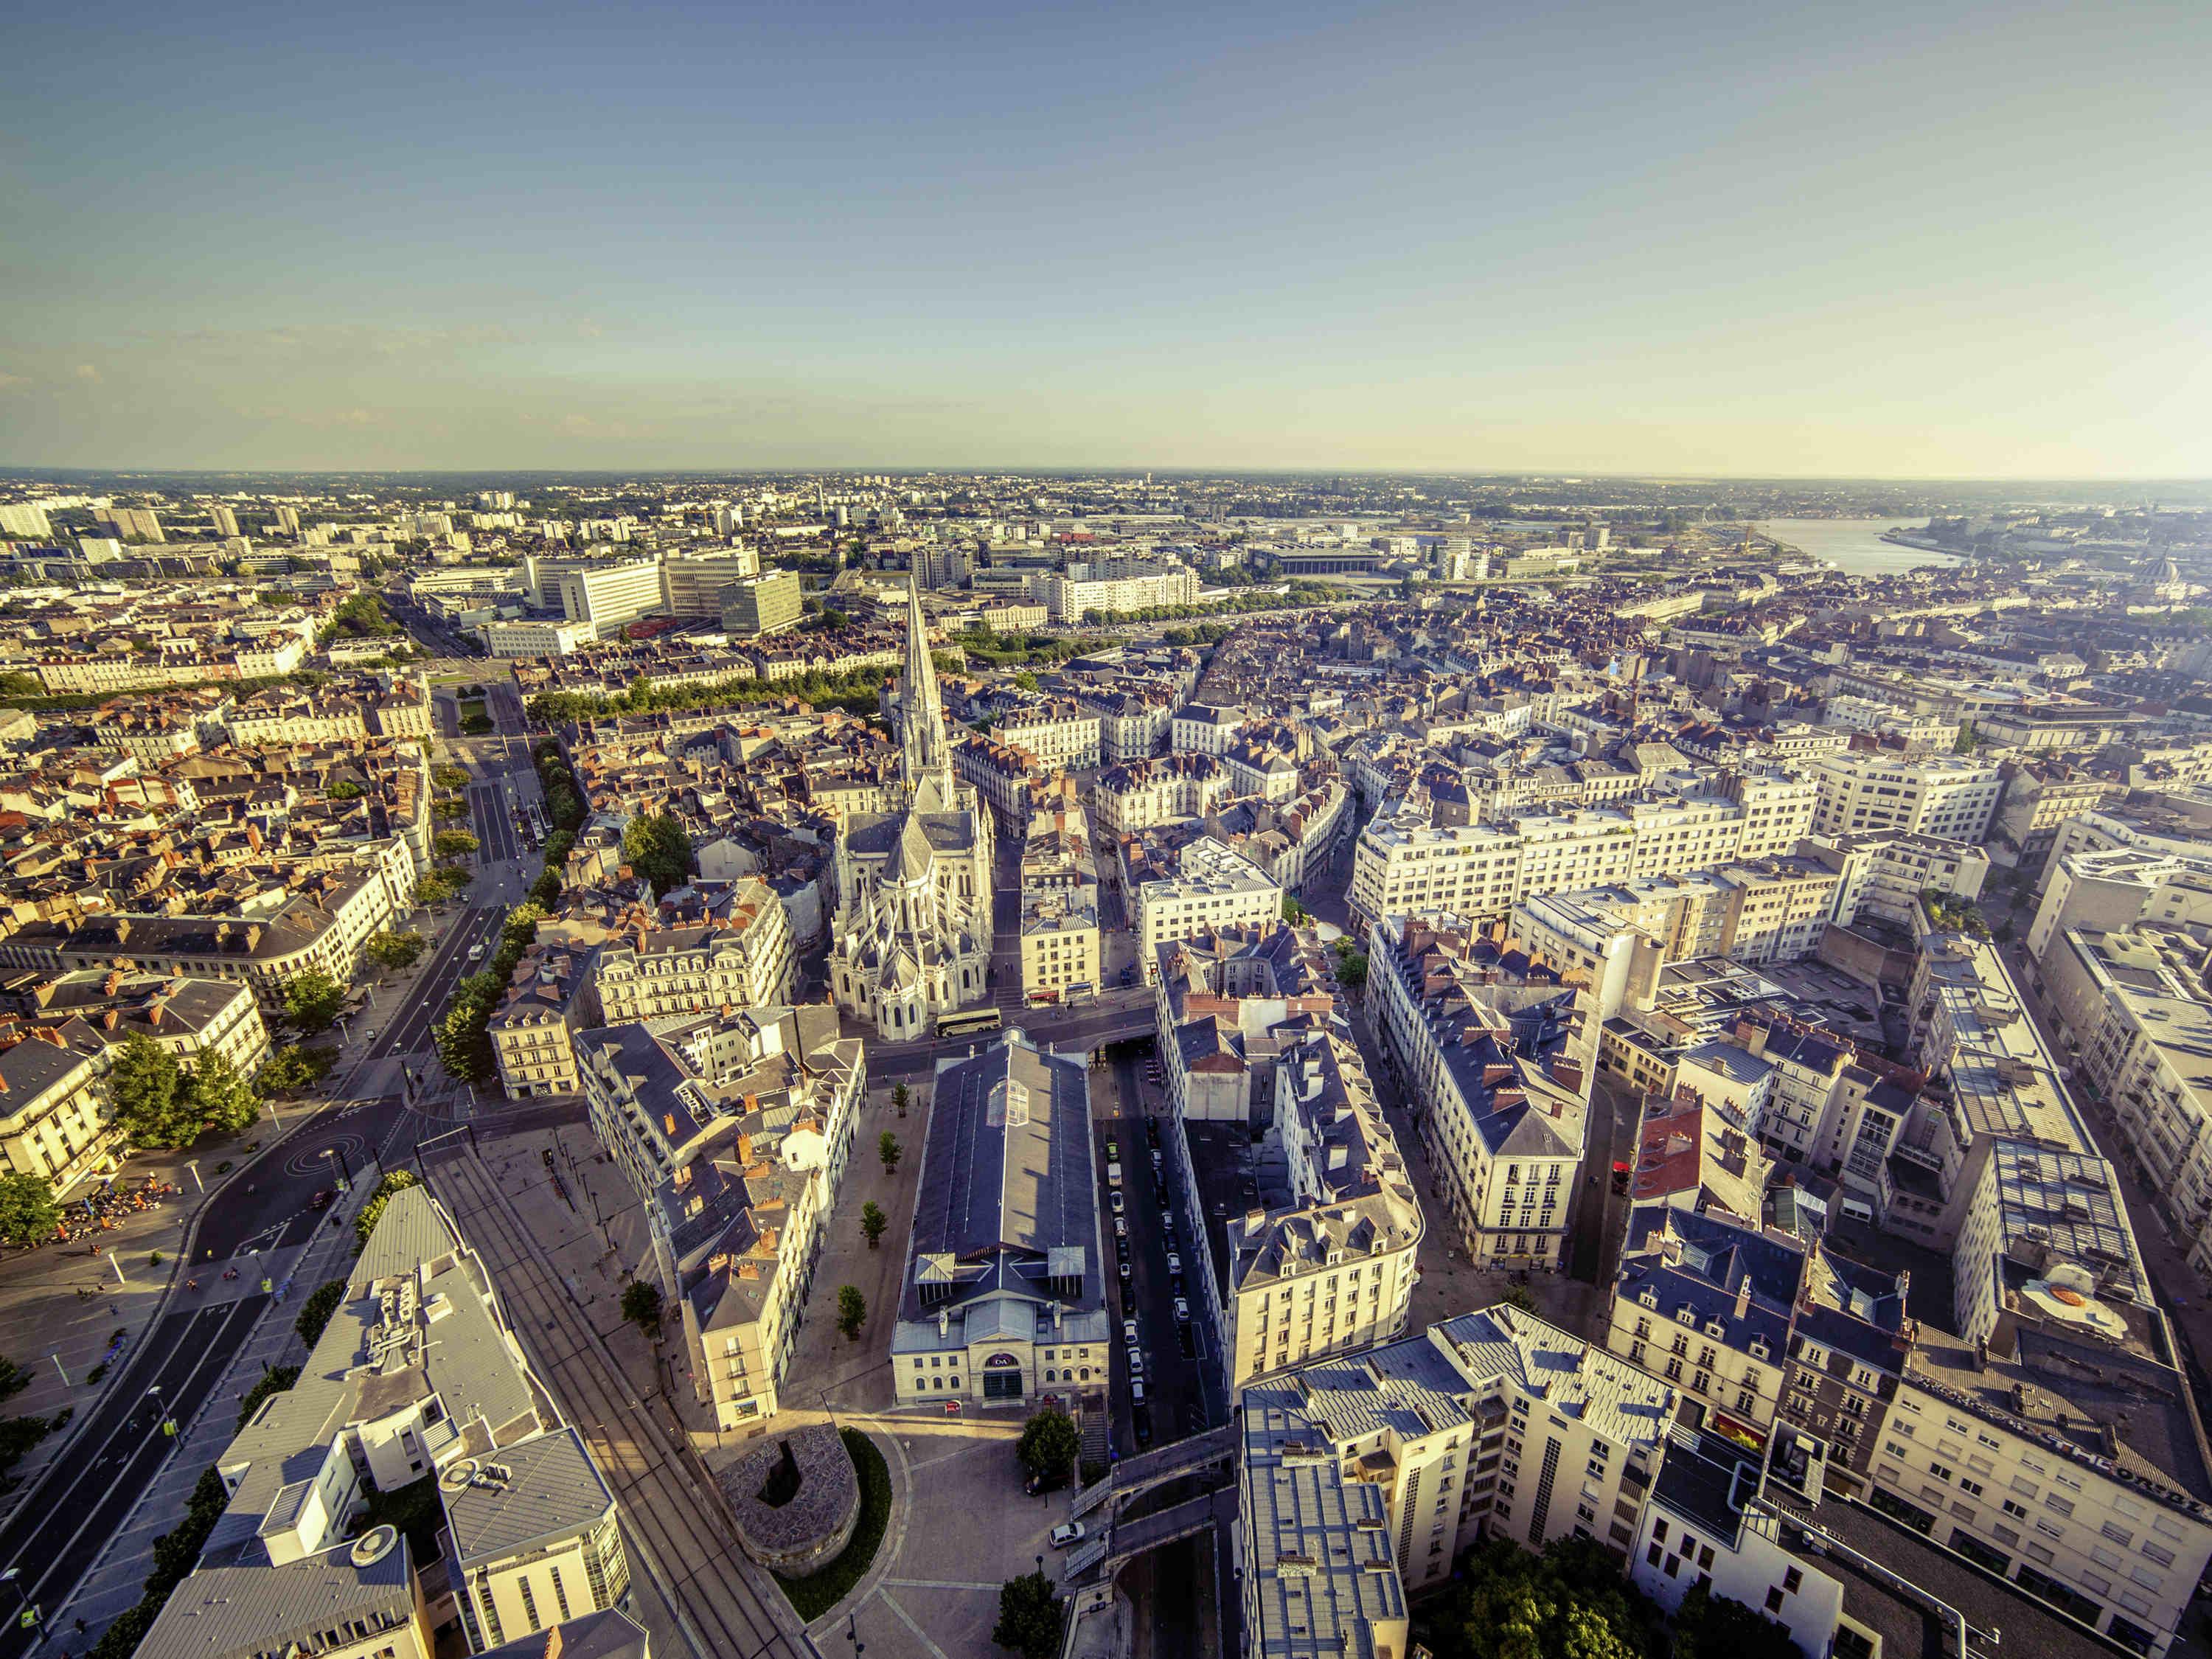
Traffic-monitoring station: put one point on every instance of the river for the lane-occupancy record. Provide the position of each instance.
(1854, 545)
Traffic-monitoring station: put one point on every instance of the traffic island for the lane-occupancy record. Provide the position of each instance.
(830, 1538)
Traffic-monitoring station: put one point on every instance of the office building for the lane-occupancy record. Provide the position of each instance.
(608, 594)
(1946, 796)
(693, 585)
(765, 603)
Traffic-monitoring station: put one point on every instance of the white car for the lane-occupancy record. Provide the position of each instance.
(1136, 1362)
(1181, 1311)
(1115, 1199)
(1137, 1390)
(1129, 1331)
(1068, 1532)
(1175, 1264)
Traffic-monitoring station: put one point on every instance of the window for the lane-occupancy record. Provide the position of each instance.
(1773, 1599)
(1791, 1580)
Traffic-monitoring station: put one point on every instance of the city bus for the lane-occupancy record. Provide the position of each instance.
(967, 1022)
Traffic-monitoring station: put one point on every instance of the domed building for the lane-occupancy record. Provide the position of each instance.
(911, 936)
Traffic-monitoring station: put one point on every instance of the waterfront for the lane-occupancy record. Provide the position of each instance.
(1854, 545)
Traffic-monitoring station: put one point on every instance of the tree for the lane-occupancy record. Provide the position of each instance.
(1570, 1602)
(1710, 1627)
(640, 1305)
(873, 1222)
(888, 1150)
(521, 927)
(852, 1311)
(900, 1096)
(1030, 1617)
(27, 1210)
(659, 850)
(295, 1068)
(449, 777)
(397, 952)
(224, 1099)
(1295, 912)
(1352, 971)
(395, 1180)
(14, 1379)
(1026, 681)
(313, 1000)
(452, 843)
(145, 1084)
(315, 1312)
(1048, 1442)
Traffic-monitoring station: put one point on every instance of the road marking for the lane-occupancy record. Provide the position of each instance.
(946, 1457)
(938, 1584)
(907, 1618)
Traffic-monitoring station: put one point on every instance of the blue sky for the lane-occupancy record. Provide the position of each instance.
(1897, 240)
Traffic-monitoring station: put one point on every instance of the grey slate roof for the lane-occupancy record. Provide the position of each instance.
(552, 1490)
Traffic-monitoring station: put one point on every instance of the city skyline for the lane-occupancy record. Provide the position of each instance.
(1909, 245)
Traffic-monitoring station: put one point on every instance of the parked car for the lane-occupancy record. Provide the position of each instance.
(1125, 1267)
(1066, 1533)
(1137, 1389)
(1175, 1264)
(1114, 1198)
(1141, 1420)
(1121, 1226)
(1136, 1362)
(1129, 1331)
(1113, 1151)
(1181, 1311)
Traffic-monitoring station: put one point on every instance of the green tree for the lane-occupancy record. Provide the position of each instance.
(640, 1305)
(900, 1096)
(521, 927)
(658, 849)
(1295, 912)
(1352, 971)
(1048, 1442)
(852, 1311)
(224, 1100)
(27, 1210)
(395, 951)
(1026, 681)
(873, 1222)
(345, 789)
(295, 1068)
(313, 1000)
(14, 1379)
(452, 843)
(1030, 1617)
(449, 777)
(395, 1180)
(315, 1312)
(146, 1085)
(1710, 1627)
(888, 1150)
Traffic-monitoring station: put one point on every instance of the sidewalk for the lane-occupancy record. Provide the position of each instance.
(119, 1576)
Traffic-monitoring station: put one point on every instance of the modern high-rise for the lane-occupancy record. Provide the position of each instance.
(693, 585)
(135, 524)
(1945, 795)
(764, 604)
(223, 520)
(607, 595)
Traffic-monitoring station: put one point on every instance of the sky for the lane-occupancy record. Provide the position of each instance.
(1897, 240)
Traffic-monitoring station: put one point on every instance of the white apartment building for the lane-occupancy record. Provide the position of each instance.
(608, 595)
(1333, 1271)
(1402, 862)
(1137, 794)
(1493, 1423)
(1067, 599)
(54, 1112)
(1198, 728)
(1948, 796)
(1212, 887)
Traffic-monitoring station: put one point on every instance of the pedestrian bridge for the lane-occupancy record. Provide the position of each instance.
(1123, 1541)
(1210, 1453)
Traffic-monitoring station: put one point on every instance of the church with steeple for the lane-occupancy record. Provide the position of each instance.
(912, 938)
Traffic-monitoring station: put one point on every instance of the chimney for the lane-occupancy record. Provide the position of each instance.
(1744, 1294)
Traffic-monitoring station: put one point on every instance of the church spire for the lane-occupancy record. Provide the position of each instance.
(925, 755)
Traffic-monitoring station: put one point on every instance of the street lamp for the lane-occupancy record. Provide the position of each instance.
(27, 1613)
(345, 1172)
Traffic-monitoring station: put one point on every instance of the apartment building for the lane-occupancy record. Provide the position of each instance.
(1210, 887)
(1230, 1002)
(1948, 796)
(1334, 1270)
(1198, 728)
(1004, 1294)
(1405, 861)
(2132, 1009)
(1006, 777)
(1704, 1301)
(54, 1111)
(1060, 931)
(1883, 873)
(190, 1018)
(1134, 795)
(417, 1374)
(1069, 599)
(2040, 796)
(1058, 730)
(321, 922)
(740, 957)
(734, 1131)
(1133, 722)
(1492, 1423)
(2111, 890)
(1500, 1072)
(547, 1000)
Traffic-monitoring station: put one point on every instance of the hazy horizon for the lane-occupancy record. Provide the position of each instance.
(1905, 243)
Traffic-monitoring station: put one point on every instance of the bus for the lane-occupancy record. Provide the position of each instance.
(968, 1023)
